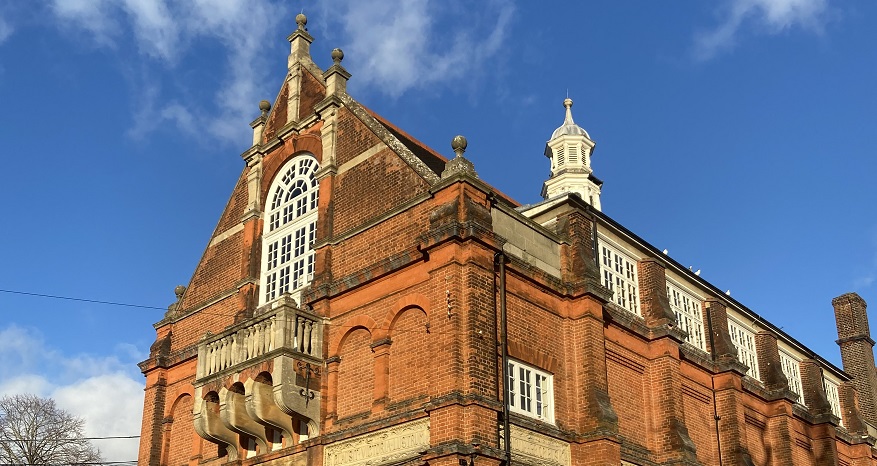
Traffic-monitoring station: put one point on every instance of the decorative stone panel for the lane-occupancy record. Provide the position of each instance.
(386, 446)
(530, 448)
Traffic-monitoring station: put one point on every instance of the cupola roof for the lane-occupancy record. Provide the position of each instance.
(569, 126)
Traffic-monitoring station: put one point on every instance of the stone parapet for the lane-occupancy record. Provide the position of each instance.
(281, 327)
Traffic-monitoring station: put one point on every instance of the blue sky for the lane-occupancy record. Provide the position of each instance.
(733, 133)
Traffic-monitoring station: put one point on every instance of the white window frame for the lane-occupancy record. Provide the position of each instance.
(833, 395)
(618, 270)
(689, 313)
(792, 369)
(289, 230)
(744, 340)
(530, 391)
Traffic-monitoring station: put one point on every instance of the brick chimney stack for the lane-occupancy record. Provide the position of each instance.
(857, 350)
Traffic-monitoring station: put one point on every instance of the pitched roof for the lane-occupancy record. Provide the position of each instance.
(432, 159)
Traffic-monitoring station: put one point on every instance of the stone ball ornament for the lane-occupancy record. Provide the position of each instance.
(337, 55)
(458, 144)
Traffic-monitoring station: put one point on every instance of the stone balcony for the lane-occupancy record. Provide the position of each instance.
(259, 380)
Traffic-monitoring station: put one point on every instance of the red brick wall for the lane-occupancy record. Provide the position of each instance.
(535, 338)
(356, 375)
(218, 271)
(312, 92)
(353, 137)
(756, 437)
(410, 367)
(237, 203)
(182, 433)
(625, 371)
(373, 187)
(698, 406)
(278, 113)
(189, 330)
(151, 433)
(393, 236)
(802, 454)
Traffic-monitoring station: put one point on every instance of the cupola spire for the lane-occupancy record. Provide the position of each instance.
(567, 102)
(570, 149)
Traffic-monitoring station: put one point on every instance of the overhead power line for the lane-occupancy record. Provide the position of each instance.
(221, 314)
(110, 437)
(84, 300)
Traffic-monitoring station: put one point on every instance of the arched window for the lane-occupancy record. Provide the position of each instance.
(290, 229)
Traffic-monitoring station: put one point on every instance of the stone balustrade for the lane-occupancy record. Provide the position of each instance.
(281, 328)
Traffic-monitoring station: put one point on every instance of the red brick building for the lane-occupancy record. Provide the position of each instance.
(362, 299)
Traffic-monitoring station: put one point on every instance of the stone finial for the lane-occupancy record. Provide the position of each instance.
(336, 76)
(176, 305)
(337, 56)
(300, 43)
(458, 144)
(258, 126)
(265, 107)
(459, 164)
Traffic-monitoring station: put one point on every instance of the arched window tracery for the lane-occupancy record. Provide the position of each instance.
(290, 229)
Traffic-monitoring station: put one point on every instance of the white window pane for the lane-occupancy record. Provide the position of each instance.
(620, 276)
(287, 261)
(534, 395)
(688, 312)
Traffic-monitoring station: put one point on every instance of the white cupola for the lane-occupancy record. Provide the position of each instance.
(570, 149)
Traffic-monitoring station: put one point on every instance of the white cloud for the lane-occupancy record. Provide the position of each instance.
(164, 32)
(769, 16)
(6, 30)
(89, 15)
(18, 348)
(25, 383)
(99, 389)
(156, 30)
(112, 405)
(395, 47)
(398, 46)
(150, 113)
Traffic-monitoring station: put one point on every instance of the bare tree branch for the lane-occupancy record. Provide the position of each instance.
(35, 431)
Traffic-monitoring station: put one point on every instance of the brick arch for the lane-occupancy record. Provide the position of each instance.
(179, 394)
(408, 375)
(416, 300)
(180, 442)
(264, 377)
(308, 142)
(356, 377)
(358, 322)
(271, 168)
(534, 357)
(179, 398)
